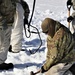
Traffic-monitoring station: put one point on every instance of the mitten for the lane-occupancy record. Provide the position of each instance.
(42, 70)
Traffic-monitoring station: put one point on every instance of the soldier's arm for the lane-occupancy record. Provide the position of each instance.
(26, 9)
(51, 57)
(48, 64)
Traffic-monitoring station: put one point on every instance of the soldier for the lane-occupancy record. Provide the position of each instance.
(17, 30)
(60, 45)
(7, 13)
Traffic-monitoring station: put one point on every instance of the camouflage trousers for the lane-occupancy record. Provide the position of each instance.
(17, 29)
(59, 69)
(5, 33)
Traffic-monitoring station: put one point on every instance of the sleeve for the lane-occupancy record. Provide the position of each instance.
(51, 57)
(48, 64)
(26, 9)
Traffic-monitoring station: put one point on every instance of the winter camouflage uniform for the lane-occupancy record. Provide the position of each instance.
(17, 30)
(60, 44)
(7, 12)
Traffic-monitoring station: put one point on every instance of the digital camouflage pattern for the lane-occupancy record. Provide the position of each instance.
(60, 47)
(8, 9)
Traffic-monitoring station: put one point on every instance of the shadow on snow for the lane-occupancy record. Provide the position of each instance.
(25, 65)
(39, 50)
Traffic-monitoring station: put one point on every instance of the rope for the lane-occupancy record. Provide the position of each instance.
(39, 38)
(32, 31)
(30, 21)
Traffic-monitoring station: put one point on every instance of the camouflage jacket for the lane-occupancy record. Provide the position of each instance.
(60, 47)
(8, 9)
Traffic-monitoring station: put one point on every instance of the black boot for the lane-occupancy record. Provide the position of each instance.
(10, 48)
(6, 66)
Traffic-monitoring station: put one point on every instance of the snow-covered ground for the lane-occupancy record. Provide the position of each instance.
(24, 62)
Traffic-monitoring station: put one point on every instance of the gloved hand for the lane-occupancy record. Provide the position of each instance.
(69, 19)
(25, 21)
(69, 2)
(42, 70)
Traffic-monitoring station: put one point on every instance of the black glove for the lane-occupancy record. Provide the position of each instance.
(42, 70)
(25, 21)
(32, 73)
(69, 2)
(69, 19)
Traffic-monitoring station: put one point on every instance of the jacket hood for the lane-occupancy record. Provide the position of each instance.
(51, 26)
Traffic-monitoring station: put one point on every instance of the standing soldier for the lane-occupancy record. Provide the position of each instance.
(7, 13)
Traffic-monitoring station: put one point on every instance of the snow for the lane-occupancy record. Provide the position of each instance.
(24, 62)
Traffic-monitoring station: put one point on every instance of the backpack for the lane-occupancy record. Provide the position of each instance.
(7, 9)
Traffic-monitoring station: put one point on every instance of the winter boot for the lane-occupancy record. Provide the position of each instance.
(10, 48)
(6, 66)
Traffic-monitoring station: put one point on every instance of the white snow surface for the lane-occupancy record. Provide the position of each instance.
(24, 62)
